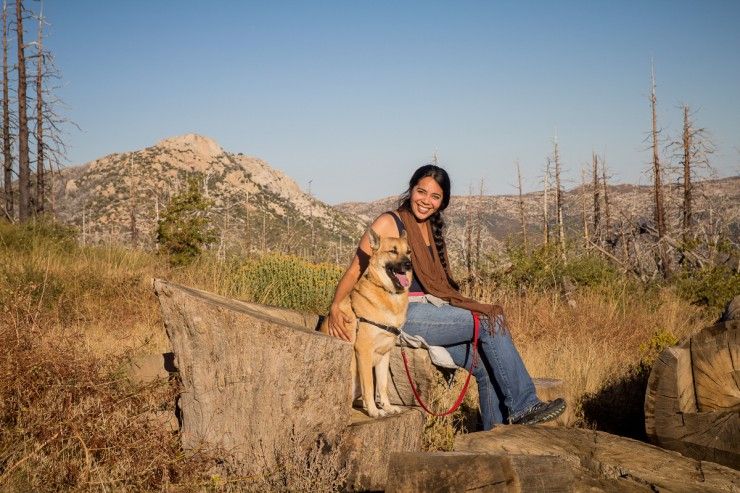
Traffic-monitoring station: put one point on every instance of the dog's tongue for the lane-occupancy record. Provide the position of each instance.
(402, 279)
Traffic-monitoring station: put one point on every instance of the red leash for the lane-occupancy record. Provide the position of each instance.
(476, 328)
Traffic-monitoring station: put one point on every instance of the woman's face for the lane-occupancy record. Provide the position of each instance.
(426, 197)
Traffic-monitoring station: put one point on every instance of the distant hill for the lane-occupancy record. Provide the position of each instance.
(119, 198)
(717, 207)
(254, 205)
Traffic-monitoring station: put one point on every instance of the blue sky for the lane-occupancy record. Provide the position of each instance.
(353, 96)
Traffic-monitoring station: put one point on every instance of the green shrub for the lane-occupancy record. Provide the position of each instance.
(183, 230)
(712, 287)
(289, 282)
(544, 268)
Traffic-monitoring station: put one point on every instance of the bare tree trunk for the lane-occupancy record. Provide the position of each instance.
(687, 187)
(132, 202)
(559, 199)
(521, 206)
(584, 210)
(659, 213)
(7, 156)
(478, 226)
(545, 207)
(40, 178)
(607, 216)
(597, 199)
(469, 234)
(24, 167)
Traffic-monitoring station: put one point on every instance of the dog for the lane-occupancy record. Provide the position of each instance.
(377, 307)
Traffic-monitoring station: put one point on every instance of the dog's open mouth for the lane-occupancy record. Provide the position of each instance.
(398, 275)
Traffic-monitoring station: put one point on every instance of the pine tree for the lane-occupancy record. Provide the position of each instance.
(183, 230)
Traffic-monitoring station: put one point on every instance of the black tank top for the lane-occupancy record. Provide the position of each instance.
(416, 286)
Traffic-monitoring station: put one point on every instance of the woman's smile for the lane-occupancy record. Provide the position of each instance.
(426, 198)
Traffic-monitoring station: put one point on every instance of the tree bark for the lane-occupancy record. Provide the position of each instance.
(40, 178)
(545, 205)
(597, 199)
(7, 156)
(687, 163)
(559, 199)
(24, 167)
(659, 212)
(521, 207)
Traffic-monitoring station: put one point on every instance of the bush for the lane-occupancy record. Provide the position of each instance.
(289, 282)
(545, 268)
(713, 287)
(183, 230)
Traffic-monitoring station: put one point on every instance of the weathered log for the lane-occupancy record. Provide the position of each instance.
(453, 471)
(692, 403)
(461, 471)
(367, 444)
(253, 379)
(605, 456)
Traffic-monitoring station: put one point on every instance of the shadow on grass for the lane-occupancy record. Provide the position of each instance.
(618, 407)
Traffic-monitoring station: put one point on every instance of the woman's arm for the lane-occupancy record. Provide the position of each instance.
(338, 324)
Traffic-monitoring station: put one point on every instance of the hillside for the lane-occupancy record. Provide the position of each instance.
(120, 197)
(717, 207)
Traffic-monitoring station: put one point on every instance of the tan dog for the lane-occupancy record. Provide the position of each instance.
(377, 305)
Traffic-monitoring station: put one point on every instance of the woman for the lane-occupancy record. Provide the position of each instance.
(441, 315)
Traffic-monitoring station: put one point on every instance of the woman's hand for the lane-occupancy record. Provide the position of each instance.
(339, 324)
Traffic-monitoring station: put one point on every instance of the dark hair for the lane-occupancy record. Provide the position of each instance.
(437, 221)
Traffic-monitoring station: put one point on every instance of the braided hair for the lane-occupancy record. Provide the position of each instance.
(436, 220)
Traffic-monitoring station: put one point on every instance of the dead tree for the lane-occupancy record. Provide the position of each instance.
(597, 199)
(584, 209)
(469, 234)
(693, 153)
(659, 211)
(521, 206)
(559, 197)
(133, 182)
(40, 164)
(545, 205)
(607, 216)
(24, 166)
(478, 226)
(7, 156)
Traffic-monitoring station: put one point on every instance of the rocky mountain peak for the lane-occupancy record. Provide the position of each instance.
(198, 144)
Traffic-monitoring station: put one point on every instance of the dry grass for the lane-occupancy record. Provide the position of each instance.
(70, 315)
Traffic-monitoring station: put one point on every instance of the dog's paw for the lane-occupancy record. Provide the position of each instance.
(392, 409)
(376, 413)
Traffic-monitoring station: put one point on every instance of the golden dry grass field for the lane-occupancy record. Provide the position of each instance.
(71, 315)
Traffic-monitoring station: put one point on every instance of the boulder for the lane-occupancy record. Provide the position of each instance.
(605, 457)
(253, 378)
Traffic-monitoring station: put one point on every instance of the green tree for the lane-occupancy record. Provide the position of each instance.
(184, 230)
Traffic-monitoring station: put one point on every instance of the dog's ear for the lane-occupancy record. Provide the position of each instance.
(403, 235)
(374, 238)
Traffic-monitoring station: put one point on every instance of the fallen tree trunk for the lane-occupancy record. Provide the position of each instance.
(692, 403)
(604, 457)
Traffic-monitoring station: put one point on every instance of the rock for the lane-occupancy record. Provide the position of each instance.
(368, 443)
(605, 457)
(253, 378)
(150, 367)
(692, 402)
(732, 310)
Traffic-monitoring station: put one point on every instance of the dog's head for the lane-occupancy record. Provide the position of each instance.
(390, 262)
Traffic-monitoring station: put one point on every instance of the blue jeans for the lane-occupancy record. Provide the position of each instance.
(505, 388)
